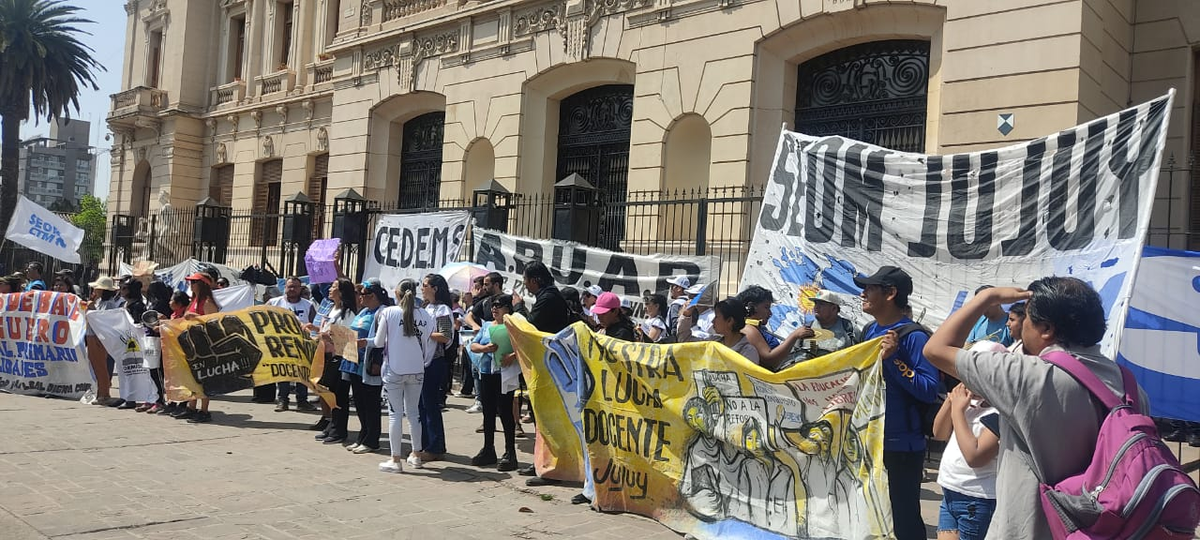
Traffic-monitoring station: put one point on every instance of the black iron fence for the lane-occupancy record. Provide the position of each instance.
(715, 222)
(1175, 227)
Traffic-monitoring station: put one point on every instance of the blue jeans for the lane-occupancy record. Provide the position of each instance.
(433, 434)
(968, 515)
(285, 389)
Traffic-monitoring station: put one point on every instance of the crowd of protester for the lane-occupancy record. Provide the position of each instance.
(414, 340)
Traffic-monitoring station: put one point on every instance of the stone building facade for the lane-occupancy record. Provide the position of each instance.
(414, 101)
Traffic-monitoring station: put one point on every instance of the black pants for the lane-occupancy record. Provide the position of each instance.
(906, 471)
(156, 375)
(496, 403)
(340, 417)
(468, 375)
(366, 404)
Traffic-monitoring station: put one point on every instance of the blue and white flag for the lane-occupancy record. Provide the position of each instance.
(44, 232)
(1161, 341)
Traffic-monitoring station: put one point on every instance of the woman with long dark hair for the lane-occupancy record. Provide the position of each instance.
(365, 386)
(404, 334)
(345, 309)
(729, 320)
(202, 303)
(436, 293)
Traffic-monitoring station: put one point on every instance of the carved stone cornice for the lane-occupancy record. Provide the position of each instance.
(383, 57)
(539, 19)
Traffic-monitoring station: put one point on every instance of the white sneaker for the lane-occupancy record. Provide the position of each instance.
(390, 466)
(363, 449)
(353, 447)
(415, 462)
(475, 408)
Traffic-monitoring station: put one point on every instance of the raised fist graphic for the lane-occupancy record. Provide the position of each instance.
(222, 354)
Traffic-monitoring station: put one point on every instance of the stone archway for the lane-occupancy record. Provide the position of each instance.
(386, 147)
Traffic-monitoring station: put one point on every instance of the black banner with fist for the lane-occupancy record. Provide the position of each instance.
(226, 352)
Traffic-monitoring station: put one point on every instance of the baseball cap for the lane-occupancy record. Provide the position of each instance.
(626, 303)
(680, 281)
(606, 302)
(594, 290)
(828, 297)
(888, 276)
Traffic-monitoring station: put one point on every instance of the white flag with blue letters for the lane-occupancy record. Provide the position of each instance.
(44, 232)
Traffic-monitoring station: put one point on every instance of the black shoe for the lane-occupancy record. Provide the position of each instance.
(281, 406)
(1193, 439)
(185, 414)
(484, 458)
(527, 471)
(166, 409)
(506, 463)
(320, 425)
(324, 434)
(305, 406)
(201, 417)
(334, 439)
(539, 481)
(127, 405)
(580, 498)
(116, 402)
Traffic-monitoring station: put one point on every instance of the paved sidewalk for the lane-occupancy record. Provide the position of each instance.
(80, 472)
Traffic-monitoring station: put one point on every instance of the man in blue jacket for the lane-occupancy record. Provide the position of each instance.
(912, 385)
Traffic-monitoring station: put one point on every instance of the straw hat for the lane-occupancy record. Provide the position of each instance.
(105, 283)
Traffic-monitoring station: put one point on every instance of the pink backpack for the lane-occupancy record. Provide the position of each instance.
(1134, 487)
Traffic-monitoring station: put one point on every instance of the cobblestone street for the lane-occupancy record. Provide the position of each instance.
(76, 472)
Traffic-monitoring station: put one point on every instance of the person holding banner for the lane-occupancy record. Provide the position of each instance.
(202, 303)
(772, 352)
(345, 309)
(293, 301)
(912, 385)
(436, 293)
(405, 334)
(12, 283)
(679, 299)
(104, 294)
(496, 401)
(729, 321)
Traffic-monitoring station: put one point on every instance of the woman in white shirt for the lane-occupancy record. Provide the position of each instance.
(436, 293)
(654, 328)
(405, 335)
(345, 308)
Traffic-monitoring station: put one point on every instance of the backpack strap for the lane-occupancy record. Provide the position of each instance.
(1067, 362)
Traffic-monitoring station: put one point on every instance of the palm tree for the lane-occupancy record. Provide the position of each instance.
(42, 68)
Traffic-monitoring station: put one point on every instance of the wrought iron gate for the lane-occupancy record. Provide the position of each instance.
(593, 141)
(421, 161)
(874, 92)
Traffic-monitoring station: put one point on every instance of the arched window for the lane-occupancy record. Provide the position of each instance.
(874, 92)
(421, 161)
(593, 141)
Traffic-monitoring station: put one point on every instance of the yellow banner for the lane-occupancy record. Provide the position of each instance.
(226, 352)
(707, 443)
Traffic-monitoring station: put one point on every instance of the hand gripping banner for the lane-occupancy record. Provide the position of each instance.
(1075, 203)
(226, 352)
(709, 444)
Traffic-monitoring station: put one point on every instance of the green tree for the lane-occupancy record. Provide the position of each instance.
(43, 67)
(92, 218)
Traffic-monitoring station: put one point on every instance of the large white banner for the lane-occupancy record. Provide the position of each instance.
(44, 232)
(1074, 203)
(41, 345)
(575, 265)
(413, 245)
(176, 276)
(124, 342)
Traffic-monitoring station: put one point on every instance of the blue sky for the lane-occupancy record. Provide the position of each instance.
(107, 39)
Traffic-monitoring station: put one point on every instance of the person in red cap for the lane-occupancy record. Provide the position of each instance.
(202, 303)
(612, 318)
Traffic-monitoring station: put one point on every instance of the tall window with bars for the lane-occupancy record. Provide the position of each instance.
(264, 221)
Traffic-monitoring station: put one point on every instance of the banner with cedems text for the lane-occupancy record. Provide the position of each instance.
(575, 265)
(1075, 203)
(44, 231)
(413, 245)
(124, 342)
(41, 345)
(226, 352)
(709, 444)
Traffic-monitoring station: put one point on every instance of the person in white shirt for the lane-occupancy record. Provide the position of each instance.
(436, 293)
(293, 301)
(679, 299)
(405, 333)
(588, 297)
(967, 472)
(345, 309)
(654, 328)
